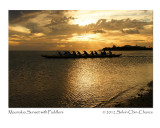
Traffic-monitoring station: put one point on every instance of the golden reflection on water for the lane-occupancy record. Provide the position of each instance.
(96, 82)
(81, 73)
(84, 79)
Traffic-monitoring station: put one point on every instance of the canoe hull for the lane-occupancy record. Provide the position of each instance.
(81, 56)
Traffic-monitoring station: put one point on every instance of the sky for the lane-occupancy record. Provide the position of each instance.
(47, 30)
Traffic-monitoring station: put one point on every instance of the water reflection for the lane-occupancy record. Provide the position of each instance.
(95, 81)
(90, 80)
(39, 82)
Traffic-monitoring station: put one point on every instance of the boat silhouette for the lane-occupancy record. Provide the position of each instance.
(79, 55)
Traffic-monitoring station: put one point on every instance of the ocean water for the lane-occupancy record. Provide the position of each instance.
(35, 81)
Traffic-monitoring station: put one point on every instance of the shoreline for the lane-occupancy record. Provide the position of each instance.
(140, 100)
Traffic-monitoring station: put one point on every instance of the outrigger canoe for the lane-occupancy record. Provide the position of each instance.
(80, 56)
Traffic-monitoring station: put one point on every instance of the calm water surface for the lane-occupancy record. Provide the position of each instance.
(35, 81)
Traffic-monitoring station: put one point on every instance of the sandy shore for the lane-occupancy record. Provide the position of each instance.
(140, 101)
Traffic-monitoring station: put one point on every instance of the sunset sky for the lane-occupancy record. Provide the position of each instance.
(79, 29)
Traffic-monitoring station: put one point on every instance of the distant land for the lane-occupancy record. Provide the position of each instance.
(126, 48)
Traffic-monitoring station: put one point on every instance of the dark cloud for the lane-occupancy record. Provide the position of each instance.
(120, 24)
(147, 30)
(99, 31)
(63, 29)
(58, 17)
(138, 40)
(60, 20)
(130, 31)
(59, 12)
(16, 16)
(34, 27)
